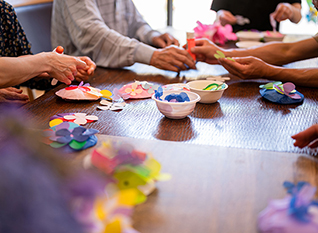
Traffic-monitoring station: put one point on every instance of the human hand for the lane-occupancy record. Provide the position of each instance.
(164, 40)
(172, 58)
(307, 137)
(226, 17)
(246, 67)
(84, 74)
(204, 50)
(64, 67)
(283, 11)
(12, 95)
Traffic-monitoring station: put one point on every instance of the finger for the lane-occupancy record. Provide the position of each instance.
(175, 42)
(167, 39)
(200, 42)
(80, 64)
(185, 58)
(12, 89)
(305, 137)
(314, 144)
(16, 96)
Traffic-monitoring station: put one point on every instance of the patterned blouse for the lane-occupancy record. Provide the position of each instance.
(13, 41)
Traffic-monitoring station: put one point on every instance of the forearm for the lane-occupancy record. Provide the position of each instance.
(16, 70)
(296, 16)
(278, 53)
(300, 77)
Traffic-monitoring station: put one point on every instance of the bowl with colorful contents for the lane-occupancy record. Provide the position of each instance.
(209, 91)
(175, 104)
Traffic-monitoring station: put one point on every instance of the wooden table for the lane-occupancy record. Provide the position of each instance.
(240, 119)
(227, 159)
(214, 189)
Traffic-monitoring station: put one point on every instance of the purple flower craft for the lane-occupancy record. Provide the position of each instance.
(281, 93)
(182, 97)
(297, 212)
(72, 136)
(159, 93)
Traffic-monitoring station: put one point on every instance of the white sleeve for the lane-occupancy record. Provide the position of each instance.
(92, 37)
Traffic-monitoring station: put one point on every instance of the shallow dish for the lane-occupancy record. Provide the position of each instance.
(249, 35)
(247, 44)
(176, 110)
(207, 96)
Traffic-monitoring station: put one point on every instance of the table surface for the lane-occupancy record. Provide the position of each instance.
(214, 189)
(227, 159)
(240, 119)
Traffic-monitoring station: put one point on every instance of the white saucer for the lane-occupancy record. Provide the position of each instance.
(247, 44)
(249, 35)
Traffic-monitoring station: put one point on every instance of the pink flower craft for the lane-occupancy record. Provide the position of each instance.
(138, 90)
(215, 32)
(80, 92)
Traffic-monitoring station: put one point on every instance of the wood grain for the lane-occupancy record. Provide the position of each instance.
(240, 119)
(214, 189)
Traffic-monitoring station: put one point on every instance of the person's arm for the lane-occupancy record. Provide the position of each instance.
(92, 37)
(275, 53)
(255, 68)
(287, 11)
(16, 70)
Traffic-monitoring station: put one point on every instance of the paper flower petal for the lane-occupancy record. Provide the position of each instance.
(55, 122)
(92, 118)
(77, 145)
(80, 121)
(70, 117)
(105, 102)
(64, 140)
(90, 132)
(104, 107)
(63, 132)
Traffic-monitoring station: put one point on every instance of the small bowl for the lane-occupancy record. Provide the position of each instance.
(176, 110)
(207, 96)
(273, 36)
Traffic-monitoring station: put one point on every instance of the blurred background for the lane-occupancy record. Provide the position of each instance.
(187, 12)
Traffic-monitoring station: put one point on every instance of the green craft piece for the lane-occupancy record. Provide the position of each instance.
(57, 144)
(220, 87)
(231, 59)
(211, 87)
(77, 145)
(270, 85)
(220, 53)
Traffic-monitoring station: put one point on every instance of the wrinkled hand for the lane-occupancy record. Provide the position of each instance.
(172, 58)
(84, 74)
(12, 95)
(226, 17)
(283, 11)
(164, 40)
(64, 67)
(246, 67)
(204, 50)
(307, 137)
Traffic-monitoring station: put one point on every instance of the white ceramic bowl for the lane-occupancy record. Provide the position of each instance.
(177, 110)
(249, 36)
(207, 96)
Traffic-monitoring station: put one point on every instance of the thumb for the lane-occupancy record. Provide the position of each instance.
(80, 64)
